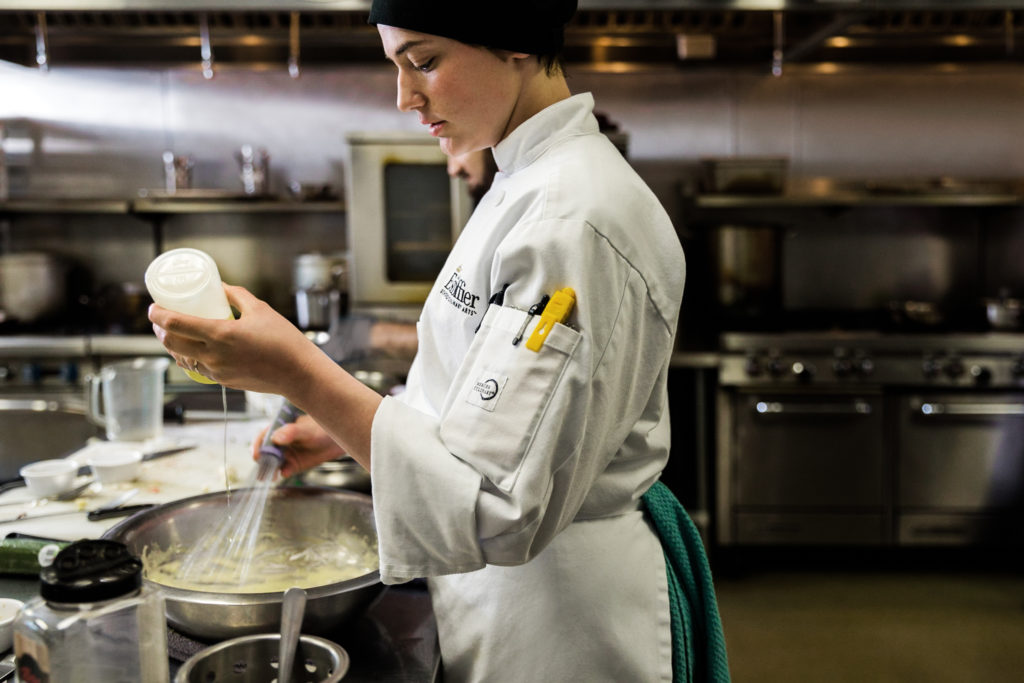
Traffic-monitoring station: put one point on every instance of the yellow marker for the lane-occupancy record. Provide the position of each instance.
(556, 311)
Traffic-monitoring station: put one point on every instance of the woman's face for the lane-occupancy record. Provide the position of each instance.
(465, 95)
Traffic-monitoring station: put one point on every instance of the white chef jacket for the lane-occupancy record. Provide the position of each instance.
(511, 478)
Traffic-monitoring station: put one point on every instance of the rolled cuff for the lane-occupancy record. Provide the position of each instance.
(424, 498)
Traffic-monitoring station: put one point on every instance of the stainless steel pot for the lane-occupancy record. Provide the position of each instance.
(217, 616)
(32, 285)
(747, 267)
(342, 473)
(321, 289)
(916, 313)
(1004, 313)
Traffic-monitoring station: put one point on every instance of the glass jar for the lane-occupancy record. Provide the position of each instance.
(94, 621)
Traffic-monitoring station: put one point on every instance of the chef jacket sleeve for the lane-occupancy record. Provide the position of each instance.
(523, 435)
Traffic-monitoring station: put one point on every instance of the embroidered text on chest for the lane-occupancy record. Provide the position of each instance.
(454, 291)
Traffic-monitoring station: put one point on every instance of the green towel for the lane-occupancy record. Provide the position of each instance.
(698, 644)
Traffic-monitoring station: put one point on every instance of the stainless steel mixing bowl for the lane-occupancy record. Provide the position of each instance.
(217, 616)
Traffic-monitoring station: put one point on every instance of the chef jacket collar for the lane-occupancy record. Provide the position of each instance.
(571, 116)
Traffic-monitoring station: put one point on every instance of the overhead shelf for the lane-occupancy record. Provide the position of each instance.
(65, 206)
(169, 205)
(188, 206)
(730, 201)
(802, 192)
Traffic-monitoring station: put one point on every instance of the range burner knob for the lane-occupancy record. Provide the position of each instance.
(864, 366)
(1018, 368)
(930, 367)
(981, 374)
(776, 367)
(804, 373)
(753, 366)
(842, 367)
(954, 368)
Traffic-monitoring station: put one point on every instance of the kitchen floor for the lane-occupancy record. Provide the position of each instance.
(870, 618)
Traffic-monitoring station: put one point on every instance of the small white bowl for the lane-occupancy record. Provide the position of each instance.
(112, 464)
(46, 478)
(9, 608)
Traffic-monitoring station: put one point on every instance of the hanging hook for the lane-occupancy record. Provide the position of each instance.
(205, 48)
(42, 42)
(293, 46)
(777, 41)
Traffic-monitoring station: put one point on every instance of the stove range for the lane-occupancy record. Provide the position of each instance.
(870, 438)
(860, 359)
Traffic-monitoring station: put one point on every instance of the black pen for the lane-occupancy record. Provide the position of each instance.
(534, 310)
(496, 298)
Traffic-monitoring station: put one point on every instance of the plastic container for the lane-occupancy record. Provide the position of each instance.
(9, 609)
(115, 463)
(133, 399)
(45, 478)
(94, 620)
(186, 280)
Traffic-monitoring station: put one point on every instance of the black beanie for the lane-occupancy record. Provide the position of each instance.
(535, 27)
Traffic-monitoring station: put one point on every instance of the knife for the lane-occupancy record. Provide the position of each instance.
(114, 508)
(18, 482)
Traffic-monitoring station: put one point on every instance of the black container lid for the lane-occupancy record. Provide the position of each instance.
(91, 570)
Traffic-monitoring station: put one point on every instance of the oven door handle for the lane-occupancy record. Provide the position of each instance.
(936, 409)
(854, 407)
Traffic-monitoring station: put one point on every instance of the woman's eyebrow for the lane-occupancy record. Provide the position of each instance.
(406, 46)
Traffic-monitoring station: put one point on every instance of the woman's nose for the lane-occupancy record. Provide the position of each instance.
(409, 97)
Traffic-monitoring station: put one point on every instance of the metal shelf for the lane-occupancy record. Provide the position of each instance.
(168, 205)
(108, 206)
(727, 201)
(247, 205)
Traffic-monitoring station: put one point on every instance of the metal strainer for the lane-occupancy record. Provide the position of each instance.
(253, 659)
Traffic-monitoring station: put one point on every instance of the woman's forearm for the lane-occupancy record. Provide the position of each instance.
(340, 403)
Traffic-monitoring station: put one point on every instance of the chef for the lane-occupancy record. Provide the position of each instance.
(510, 473)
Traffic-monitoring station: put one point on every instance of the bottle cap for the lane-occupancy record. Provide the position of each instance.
(181, 274)
(92, 570)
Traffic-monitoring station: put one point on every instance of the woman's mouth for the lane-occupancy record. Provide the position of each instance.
(435, 128)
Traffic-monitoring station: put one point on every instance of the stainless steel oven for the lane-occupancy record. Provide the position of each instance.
(870, 439)
(809, 467)
(960, 467)
(404, 213)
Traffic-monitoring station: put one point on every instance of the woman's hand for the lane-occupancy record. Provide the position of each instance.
(258, 351)
(304, 443)
(262, 351)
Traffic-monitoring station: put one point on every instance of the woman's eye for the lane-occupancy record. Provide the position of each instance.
(425, 66)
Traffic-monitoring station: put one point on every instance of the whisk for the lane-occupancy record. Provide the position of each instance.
(224, 553)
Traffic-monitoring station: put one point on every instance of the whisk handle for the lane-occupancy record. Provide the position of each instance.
(286, 414)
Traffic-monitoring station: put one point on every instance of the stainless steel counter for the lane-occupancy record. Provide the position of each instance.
(707, 360)
(52, 346)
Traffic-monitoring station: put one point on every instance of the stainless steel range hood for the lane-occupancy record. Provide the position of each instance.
(606, 34)
(364, 5)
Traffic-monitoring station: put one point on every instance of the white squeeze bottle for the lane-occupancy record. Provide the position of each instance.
(187, 281)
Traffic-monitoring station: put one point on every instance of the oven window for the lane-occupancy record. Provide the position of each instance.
(417, 220)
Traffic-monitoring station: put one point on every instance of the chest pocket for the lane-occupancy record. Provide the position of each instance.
(501, 393)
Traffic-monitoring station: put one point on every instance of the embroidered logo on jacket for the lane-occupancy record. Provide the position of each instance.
(454, 292)
(486, 390)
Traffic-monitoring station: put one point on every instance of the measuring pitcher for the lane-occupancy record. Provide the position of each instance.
(133, 399)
